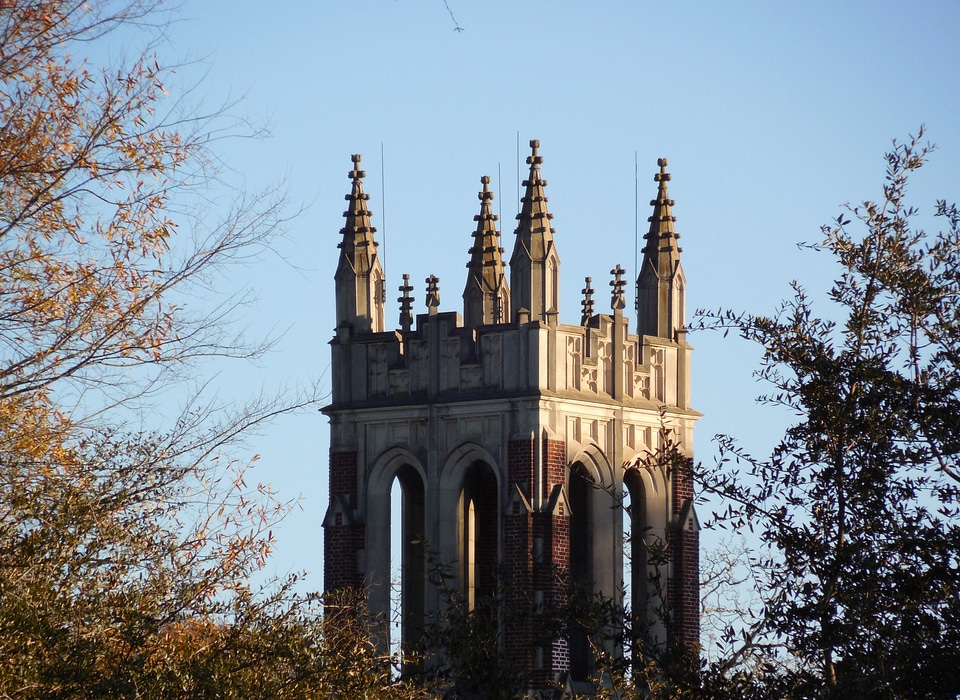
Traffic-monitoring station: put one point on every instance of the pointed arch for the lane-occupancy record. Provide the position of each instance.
(400, 466)
(592, 458)
(647, 485)
(593, 527)
(654, 485)
(470, 497)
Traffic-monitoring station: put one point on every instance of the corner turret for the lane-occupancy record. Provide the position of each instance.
(359, 278)
(661, 284)
(486, 297)
(535, 265)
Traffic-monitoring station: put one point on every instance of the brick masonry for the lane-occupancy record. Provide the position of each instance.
(684, 586)
(343, 538)
(518, 555)
(536, 550)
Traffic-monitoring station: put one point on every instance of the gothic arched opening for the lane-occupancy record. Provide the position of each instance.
(479, 545)
(634, 548)
(580, 498)
(408, 551)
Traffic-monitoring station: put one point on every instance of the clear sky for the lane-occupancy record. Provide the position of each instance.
(772, 115)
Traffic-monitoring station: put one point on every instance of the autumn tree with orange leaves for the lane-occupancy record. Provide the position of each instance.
(126, 553)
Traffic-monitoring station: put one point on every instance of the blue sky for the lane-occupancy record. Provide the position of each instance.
(773, 115)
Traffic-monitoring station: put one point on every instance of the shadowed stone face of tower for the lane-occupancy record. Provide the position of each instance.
(359, 277)
(486, 297)
(535, 265)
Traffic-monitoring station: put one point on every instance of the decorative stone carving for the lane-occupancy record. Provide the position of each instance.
(399, 382)
(471, 377)
(377, 364)
(491, 348)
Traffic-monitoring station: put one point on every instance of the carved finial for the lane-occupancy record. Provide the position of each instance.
(534, 158)
(587, 302)
(662, 215)
(433, 294)
(356, 173)
(617, 299)
(663, 175)
(406, 304)
(485, 195)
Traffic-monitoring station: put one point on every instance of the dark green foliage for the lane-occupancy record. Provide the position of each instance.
(858, 504)
(461, 652)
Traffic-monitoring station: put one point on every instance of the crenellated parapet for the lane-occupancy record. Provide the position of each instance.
(439, 357)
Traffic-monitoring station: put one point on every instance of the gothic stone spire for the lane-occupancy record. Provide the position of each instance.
(534, 265)
(359, 277)
(486, 297)
(661, 283)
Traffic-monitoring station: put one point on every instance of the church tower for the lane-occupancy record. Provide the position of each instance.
(522, 446)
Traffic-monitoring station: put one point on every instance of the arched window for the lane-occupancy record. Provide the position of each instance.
(634, 548)
(407, 563)
(581, 499)
(479, 547)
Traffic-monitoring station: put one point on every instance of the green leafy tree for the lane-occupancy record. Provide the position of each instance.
(128, 546)
(857, 506)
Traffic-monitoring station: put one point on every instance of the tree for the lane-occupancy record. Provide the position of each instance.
(127, 546)
(857, 506)
(89, 172)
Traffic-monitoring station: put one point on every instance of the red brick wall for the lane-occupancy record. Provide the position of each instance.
(690, 589)
(681, 478)
(555, 460)
(557, 533)
(554, 532)
(684, 587)
(517, 555)
(520, 465)
(342, 540)
(527, 575)
(343, 475)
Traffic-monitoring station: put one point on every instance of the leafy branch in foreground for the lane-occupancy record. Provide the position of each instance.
(127, 549)
(857, 507)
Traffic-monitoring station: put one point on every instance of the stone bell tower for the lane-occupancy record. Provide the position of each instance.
(515, 438)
